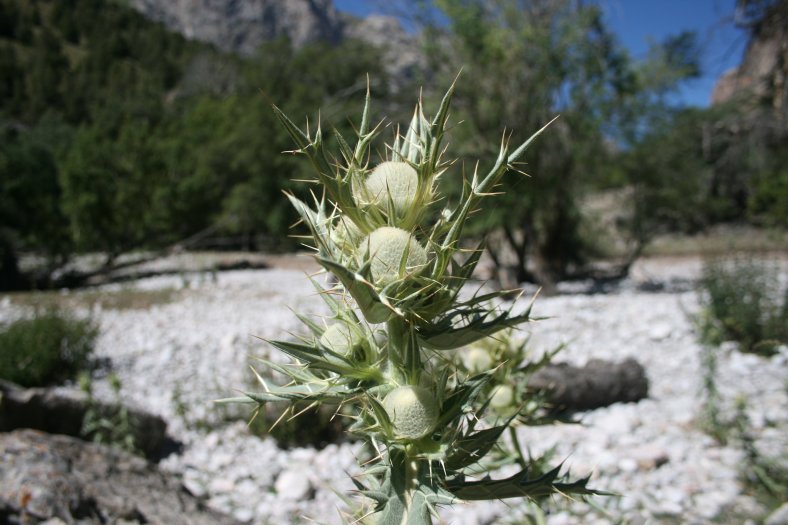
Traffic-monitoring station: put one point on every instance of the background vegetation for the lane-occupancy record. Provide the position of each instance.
(744, 302)
(46, 349)
(117, 135)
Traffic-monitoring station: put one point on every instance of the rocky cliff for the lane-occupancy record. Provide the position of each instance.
(763, 71)
(240, 26)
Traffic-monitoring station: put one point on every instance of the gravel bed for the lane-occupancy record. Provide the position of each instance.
(175, 358)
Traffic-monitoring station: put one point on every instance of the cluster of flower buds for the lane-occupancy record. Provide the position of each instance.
(397, 321)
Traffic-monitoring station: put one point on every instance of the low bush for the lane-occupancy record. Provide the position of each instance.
(112, 424)
(46, 349)
(301, 426)
(742, 303)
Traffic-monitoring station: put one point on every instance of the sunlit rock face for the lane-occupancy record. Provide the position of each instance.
(241, 26)
(764, 67)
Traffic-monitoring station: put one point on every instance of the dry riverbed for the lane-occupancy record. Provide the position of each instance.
(179, 342)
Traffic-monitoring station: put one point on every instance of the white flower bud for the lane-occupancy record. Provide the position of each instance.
(412, 410)
(393, 180)
(387, 247)
(339, 338)
(502, 399)
(477, 360)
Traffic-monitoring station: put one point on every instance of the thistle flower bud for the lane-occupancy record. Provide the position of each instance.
(395, 181)
(339, 338)
(346, 235)
(412, 410)
(387, 247)
(477, 360)
(502, 399)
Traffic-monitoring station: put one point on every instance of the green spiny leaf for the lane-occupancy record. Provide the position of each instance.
(471, 448)
(365, 295)
(520, 485)
(461, 399)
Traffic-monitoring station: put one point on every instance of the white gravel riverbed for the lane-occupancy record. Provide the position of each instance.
(174, 358)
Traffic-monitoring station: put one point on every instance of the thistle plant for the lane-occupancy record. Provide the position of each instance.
(397, 319)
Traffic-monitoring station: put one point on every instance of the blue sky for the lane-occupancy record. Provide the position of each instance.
(638, 22)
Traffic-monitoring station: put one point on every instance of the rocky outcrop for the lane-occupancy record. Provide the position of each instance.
(241, 26)
(57, 412)
(763, 71)
(402, 51)
(61, 479)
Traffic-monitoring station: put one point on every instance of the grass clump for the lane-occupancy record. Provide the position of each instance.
(742, 303)
(111, 427)
(47, 349)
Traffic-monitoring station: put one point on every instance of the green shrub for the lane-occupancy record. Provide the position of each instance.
(301, 425)
(742, 303)
(111, 425)
(49, 348)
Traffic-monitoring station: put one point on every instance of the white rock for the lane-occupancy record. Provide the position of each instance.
(660, 331)
(194, 483)
(243, 515)
(221, 486)
(628, 465)
(293, 484)
(201, 340)
(779, 516)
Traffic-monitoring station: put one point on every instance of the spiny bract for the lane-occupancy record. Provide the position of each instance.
(413, 411)
(387, 247)
(346, 235)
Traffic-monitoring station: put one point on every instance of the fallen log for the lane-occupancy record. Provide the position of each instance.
(598, 384)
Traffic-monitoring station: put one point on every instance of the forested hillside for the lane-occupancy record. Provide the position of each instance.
(118, 134)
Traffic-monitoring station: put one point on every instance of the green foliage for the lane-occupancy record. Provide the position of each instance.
(712, 420)
(118, 134)
(101, 175)
(766, 477)
(670, 177)
(709, 166)
(46, 349)
(30, 193)
(300, 425)
(531, 61)
(763, 476)
(742, 303)
(110, 426)
(768, 196)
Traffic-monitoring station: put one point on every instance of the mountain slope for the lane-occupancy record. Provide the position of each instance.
(241, 26)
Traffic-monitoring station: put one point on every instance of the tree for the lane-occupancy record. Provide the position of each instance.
(531, 61)
(725, 163)
(30, 203)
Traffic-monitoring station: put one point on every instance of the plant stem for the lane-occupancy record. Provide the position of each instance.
(516, 444)
(412, 483)
(396, 330)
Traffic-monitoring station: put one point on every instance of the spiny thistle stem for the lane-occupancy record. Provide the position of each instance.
(401, 273)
